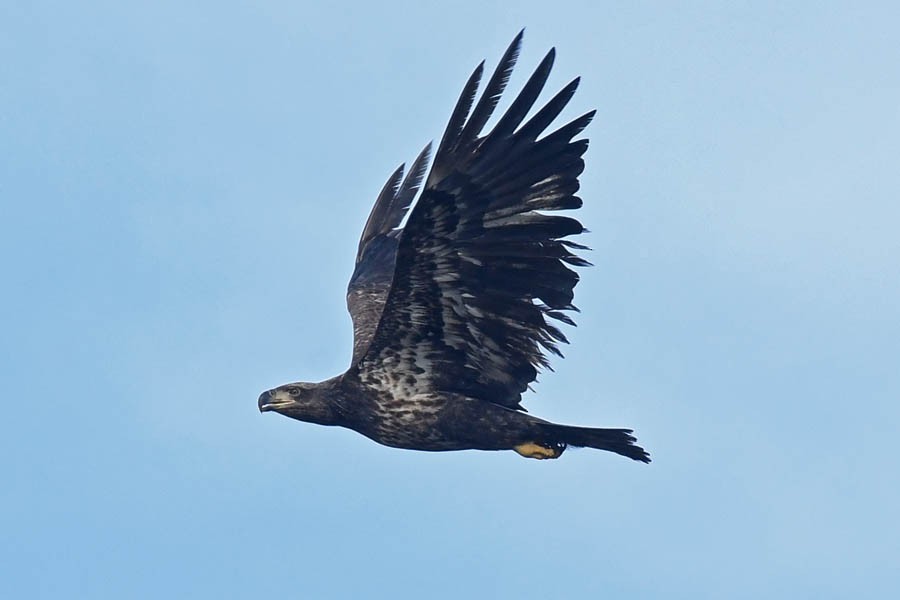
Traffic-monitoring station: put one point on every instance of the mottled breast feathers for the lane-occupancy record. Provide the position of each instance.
(463, 298)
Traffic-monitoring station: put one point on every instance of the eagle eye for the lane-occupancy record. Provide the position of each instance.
(293, 390)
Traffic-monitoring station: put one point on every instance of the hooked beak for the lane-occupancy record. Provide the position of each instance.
(274, 400)
(265, 402)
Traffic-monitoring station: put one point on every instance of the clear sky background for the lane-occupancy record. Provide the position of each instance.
(181, 190)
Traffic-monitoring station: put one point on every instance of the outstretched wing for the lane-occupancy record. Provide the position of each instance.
(480, 273)
(371, 280)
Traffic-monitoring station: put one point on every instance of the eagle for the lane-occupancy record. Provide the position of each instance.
(454, 312)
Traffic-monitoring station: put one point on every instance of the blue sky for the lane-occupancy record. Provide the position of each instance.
(181, 191)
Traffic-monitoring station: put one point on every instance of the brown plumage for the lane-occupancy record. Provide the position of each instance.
(453, 314)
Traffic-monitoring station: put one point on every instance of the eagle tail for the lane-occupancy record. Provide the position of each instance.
(619, 441)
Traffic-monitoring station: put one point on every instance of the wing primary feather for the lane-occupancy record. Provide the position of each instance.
(515, 114)
(569, 130)
(410, 186)
(383, 207)
(539, 122)
(454, 127)
(491, 95)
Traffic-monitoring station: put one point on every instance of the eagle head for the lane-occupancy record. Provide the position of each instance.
(302, 401)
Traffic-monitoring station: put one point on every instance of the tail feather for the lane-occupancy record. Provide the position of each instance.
(619, 441)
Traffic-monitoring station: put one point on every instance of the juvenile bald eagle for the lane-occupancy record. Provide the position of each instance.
(453, 313)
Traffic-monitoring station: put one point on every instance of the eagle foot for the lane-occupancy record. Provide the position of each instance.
(539, 451)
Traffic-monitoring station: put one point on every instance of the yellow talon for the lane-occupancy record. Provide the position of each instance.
(532, 450)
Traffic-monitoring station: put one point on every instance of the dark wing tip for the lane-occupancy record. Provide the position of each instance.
(519, 36)
(492, 92)
(381, 211)
(526, 98)
(407, 191)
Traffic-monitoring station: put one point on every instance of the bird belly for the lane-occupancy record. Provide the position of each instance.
(437, 422)
(411, 422)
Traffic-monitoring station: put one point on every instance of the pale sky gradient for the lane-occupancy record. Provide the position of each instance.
(181, 190)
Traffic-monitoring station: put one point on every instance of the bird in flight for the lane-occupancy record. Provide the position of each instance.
(453, 313)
